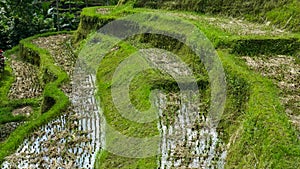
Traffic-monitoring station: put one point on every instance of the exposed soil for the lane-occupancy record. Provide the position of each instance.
(103, 11)
(72, 140)
(6, 129)
(59, 50)
(236, 26)
(24, 111)
(285, 72)
(26, 83)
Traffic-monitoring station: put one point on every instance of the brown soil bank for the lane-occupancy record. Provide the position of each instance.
(284, 14)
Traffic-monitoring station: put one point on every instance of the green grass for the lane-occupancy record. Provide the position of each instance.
(266, 46)
(6, 78)
(6, 110)
(42, 58)
(91, 20)
(125, 126)
(254, 122)
(7, 105)
(282, 13)
(264, 136)
(285, 42)
(140, 89)
(287, 16)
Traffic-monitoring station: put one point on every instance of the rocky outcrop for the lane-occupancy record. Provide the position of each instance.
(24, 111)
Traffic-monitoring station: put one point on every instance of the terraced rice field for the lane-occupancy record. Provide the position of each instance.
(285, 72)
(72, 140)
(26, 84)
(78, 137)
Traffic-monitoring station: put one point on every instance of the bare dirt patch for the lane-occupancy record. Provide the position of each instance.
(24, 111)
(285, 72)
(26, 83)
(103, 11)
(59, 50)
(235, 25)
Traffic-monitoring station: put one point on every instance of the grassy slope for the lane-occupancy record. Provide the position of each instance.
(5, 83)
(220, 37)
(51, 90)
(254, 122)
(282, 13)
(140, 89)
(127, 127)
(6, 105)
(260, 131)
(265, 137)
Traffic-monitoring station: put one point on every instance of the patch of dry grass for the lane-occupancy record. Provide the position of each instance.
(285, 72)
(234, 25)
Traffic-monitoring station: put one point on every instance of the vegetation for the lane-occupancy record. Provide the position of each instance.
(51, 90)
(283, 13)
(254, 115)
(255, 127)
(125, 126)
(263, 127)
(266, 46)
(24, 18)
(140, 89)
(7, 105)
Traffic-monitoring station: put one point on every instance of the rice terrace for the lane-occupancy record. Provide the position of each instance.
(149, 84)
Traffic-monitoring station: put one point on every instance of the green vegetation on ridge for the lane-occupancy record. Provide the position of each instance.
(282, 13)
(254, 123)
(264, 136)
(51, 90)
(254, 126)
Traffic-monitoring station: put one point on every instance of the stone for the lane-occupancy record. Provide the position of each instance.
(24, 111)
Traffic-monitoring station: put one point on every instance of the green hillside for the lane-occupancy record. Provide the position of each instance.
(255, 43)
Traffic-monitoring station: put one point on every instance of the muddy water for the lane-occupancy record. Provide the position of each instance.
(87, 106)
(186, 141)
(72, 140)
(57, 144)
